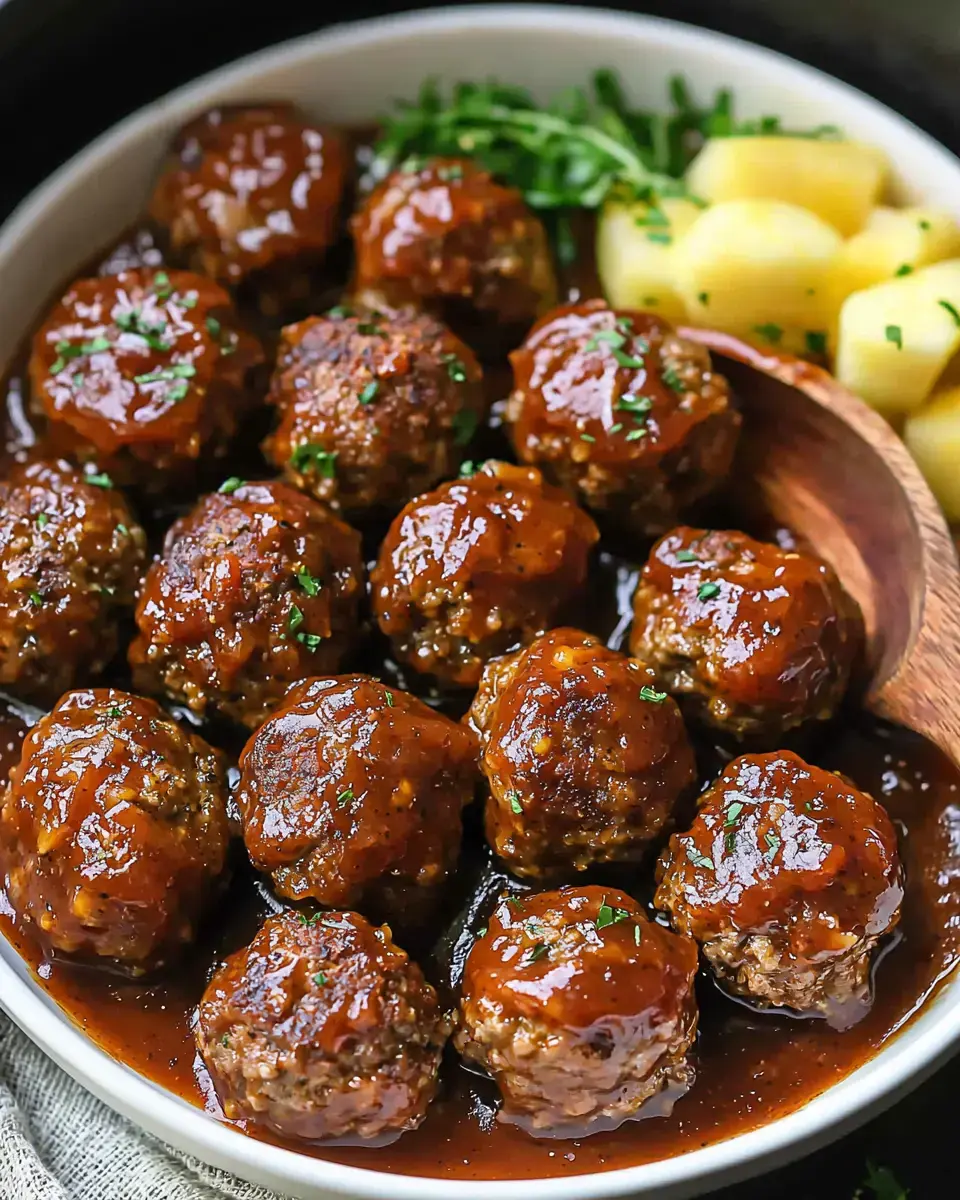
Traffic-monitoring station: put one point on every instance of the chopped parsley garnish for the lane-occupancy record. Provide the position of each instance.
(455, 368)
(537, 952)
(651, 694)
(310, 640)
(608, 915)
(161, 283)
(769, 332)
(816, 340)
(637, 406)
(773, 844)
(345, 797)
(893, 333)
(225, 1040)
(178, 392)
(42, 521)
(320, 979)
(469, 467)
(309, 455)
(730, 841)
(213, 328)
(114, 711)
(177, 371)
(369, 392)
(67, 350)
(514, 901)
(945, 304)
(309, 920)
(685, 556)
(636, 434)
(294, 618)
(623, 359)
(704, 298)
(464, 425)
(389, 696)
(706, 591)
(616, 428)
(36, 598)
(733, 811)
(903, 269)
(310, 584)
(673, 380)
(229, 486)
(101, 480)
(698, 859)
(587, 437)
(481, 932)
(515, 805)
(612, 337)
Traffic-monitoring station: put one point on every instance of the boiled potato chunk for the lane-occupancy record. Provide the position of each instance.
(894, 242)
(753, 266)
(933, 435)
(839, 181)
(896, 338)
(635, 253)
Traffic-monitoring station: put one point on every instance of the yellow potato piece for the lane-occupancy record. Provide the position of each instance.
(750, 266)
(896, 338)
(895, 241)
(933, 435)
(839, 181)
(635, 254)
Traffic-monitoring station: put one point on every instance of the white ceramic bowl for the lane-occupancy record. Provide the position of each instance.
(351, 74)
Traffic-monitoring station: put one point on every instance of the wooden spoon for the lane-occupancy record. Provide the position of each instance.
(833, 471)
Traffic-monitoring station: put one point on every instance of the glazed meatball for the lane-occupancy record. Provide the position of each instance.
(351, 793)
(753, 639)
(258, 587)
(445, 236)
(254, 192)
(477, 568)
(585, 756)
(788, 878)
(142, 373)
(372, 411)
(580, 1009)
(71, 557)
(624, 412)
(322, 1028)
(113, 830)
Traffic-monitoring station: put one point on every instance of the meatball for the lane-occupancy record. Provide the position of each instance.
(322, 1028)
(142, 373)
(584, 756)
(581, 1009)
(788, 878)
(477, 568)
(258, 587)
(71, 557)
(373, 411)
(254, 192)
(445, 236)
(351, 793)
(754, 639)
(624, 412)
(113, 830)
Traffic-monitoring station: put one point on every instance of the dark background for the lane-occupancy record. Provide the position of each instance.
(71, 68)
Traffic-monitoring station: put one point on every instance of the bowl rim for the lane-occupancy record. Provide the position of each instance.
(909, 1055)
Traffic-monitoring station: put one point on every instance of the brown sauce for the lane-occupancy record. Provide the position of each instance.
(751, 1067)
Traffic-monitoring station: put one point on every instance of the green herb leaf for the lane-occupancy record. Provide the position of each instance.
(42, 520)
(213, 328)
(464, 425)
(704, 298)
(884, 1184)
(369, 392)
(161, 285)
(455, 368)
(309, 455)
(338, 311)
(945, 304)
(389, 696)
(345, 797)
(773, 844)
(100, 480)
(304, 920)
(698, 859)
(608, 915)
(114, 711)
(651, 694)
(769, 332)
(229, 486)
(707, 591)
(733, 811)
(294, 618)
(903, 269)
(637, 406)
(893, 333)
(515, 805)
(661, 239)
(320, 979)
(611, 337)
(310, 584)
(686, 556)
(587, 437)
(36, 599)
(816, 340)
(310, 640)
(636, 434)
(540, 950)
(673, 380)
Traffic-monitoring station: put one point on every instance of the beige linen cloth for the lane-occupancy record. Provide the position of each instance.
(59, 1143)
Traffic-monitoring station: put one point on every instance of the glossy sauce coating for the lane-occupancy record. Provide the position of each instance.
(71, 558)
(753, 639)
(251, 188)
(351, 793)
(446, 236)
(142, 373)
(113, 830)
(788, 876)
(257, 588)
(477, 567)
(373, 410)
(585, 757)
(581, 1009)
(322, 1029)
(624, 412)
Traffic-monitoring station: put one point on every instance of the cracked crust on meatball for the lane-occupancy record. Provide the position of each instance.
(478, 567)
(752, 639)
(323, 1029)
(622, 411)
(581, 1010)
(788, 878)
(585, 757)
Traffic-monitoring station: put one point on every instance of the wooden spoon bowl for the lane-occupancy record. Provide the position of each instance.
(827, 467)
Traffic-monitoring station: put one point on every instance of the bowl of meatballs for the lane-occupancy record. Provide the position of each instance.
(421, 774)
